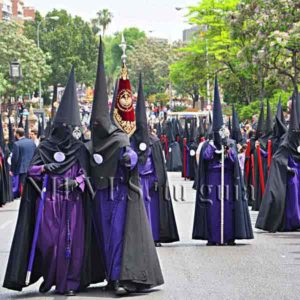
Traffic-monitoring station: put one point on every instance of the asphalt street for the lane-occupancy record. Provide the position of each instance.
(265, 268)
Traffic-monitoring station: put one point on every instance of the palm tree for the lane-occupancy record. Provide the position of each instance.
(103, 19)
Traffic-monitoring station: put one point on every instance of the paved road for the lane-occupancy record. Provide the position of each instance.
(266, 268)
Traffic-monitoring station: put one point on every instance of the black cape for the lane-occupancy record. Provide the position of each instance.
(242, 221)
(21, 246)
(271, 214)
(140, 265)
(174, 162)
(6, 194)
(168, 227)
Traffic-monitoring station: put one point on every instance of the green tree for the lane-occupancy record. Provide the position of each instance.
(188, 76)
(101, 22)
(152, 58)
(68, 41)
(253, 46)
(15, 46)
(272, 29)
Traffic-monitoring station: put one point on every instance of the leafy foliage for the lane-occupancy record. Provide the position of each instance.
(15, 46)
(68, 41)
(152, 58)
(252, 45)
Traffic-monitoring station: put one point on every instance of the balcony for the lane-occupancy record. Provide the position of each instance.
(7, 9)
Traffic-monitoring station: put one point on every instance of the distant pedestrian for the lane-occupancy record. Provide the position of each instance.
(23, 150)
(34, 136)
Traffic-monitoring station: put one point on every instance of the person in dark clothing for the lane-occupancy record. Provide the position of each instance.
(22, 154)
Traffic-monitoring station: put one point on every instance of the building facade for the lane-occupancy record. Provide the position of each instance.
(14, 10)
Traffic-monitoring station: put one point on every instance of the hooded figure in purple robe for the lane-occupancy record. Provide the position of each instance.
(220, 222)
(153, 177)
(55, 202)
(280, 208)
(131, 261)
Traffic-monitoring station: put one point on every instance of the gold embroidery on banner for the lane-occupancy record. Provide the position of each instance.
(127, 126)
(124, 102)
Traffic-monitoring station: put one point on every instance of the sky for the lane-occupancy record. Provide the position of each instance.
(158, 18)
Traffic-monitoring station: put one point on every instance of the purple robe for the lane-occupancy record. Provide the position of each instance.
(61, 236)
(214, 182)
(112, 207)
(150, 194)
(15, 186)
(292, 206)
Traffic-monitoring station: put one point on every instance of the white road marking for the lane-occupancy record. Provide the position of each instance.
(3, 226)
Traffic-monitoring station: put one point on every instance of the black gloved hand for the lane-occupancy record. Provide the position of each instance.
(291, 171)
(51, 167)
(68, 185)
(126, 160)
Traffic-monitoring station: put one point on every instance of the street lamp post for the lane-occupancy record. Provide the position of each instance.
(15, 74)
(55, 18)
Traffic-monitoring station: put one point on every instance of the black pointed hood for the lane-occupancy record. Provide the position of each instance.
(107, 140)
(193, 136)
(201, 128)
(114, 100)
(297, 102)
(100, 110)
(292, 140)
(41, 128)
(178, 131)
(294, 122)
(20, 125)
(158, 129)
(280, 126)
(209, 128)
(186, 130)
(141, 135)
(68, 110)
(229, 124)
(260, 125)
(236, 130)
(169, 132)
(27, 127)
(11, 136)
(269, 120)
(217, 109)
(2, 143)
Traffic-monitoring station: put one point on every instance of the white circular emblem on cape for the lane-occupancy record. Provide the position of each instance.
(192, 152)
(77, 133)
(143, 146)
(59, 156)
(298, 149)
(98, 159)
(170, 149)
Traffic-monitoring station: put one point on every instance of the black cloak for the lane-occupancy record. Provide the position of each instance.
(140, 265)
(5, 179)
(271, 216)
(168, 227)
(174, 161)
(92, 268)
